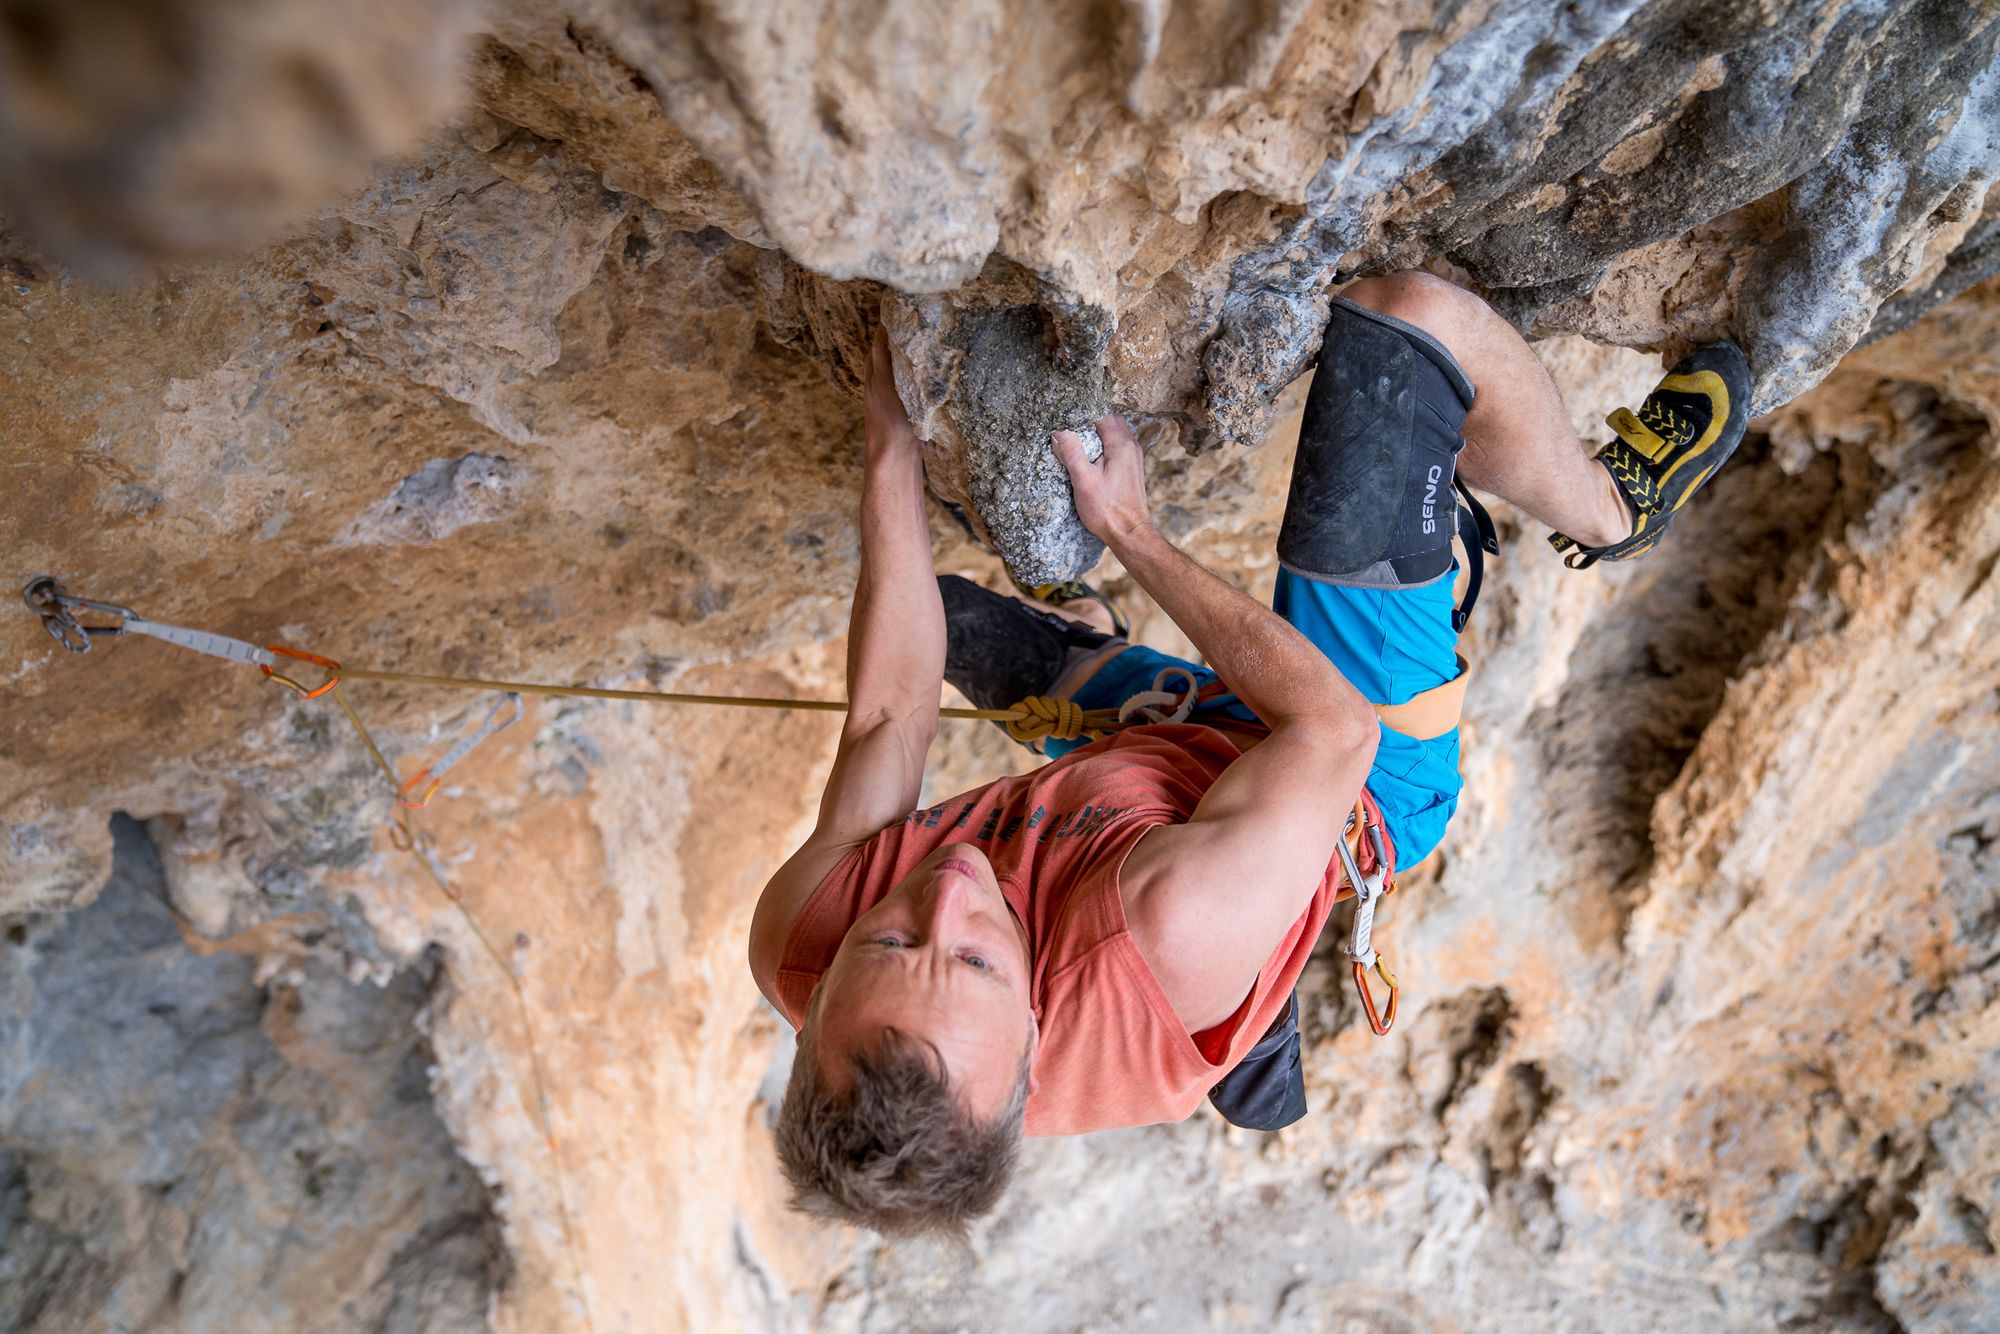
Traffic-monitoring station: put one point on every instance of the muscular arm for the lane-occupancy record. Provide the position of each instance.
(895, 635)
(1209, 900)
(895, 662)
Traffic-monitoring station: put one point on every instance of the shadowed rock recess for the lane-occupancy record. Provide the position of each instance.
(513, 340)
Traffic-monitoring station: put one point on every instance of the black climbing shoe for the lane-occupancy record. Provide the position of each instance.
(1685, 430)
(998, 652)
(1075, 590)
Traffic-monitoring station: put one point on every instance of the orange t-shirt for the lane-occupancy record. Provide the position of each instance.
(1113, 1052)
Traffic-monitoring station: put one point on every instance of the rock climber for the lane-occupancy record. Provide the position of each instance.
(1107, 940)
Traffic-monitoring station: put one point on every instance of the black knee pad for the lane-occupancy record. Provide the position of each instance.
(998, 651)
(1371, 502)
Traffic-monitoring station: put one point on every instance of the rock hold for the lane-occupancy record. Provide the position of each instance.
(988, 381)
(1655, 175)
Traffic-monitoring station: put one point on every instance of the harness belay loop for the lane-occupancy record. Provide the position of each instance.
(1146, 705)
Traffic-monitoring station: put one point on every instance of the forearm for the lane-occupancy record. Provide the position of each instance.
(895, 636)
(1270, 665)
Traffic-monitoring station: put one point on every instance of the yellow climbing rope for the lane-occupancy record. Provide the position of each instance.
(406, 837)
(1040, 716)
(1032, 719)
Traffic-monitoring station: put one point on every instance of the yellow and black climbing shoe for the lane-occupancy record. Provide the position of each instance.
(1075, 590)
(1685, 430)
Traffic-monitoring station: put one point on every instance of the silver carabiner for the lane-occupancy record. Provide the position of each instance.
(1361, 952)
(44, 597)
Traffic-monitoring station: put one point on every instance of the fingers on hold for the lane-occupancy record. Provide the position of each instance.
(1111, 427)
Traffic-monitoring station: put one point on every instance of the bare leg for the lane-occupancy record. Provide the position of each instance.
(1518, 440)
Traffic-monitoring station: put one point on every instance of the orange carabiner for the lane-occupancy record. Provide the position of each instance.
(466, 745)
(1376, 1020)
(403, 797)
(300, 655)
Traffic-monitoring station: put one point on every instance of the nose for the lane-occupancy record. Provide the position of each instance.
(949, 902)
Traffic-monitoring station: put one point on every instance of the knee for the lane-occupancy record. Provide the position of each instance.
(1438, 307)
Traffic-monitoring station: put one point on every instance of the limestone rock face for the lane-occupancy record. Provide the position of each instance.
(1652, 175)
(1176, 185)
(1702, 1007)
(191, 1145)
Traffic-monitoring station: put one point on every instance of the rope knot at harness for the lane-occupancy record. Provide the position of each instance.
(1040, 716)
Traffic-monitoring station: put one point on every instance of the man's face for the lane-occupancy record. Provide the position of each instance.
(944, 960)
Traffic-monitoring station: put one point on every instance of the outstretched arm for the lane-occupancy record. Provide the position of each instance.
(895, 664)
(895, 634)
(1209, 900)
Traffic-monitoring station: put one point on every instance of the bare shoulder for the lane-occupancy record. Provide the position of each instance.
(1204, 954)
(784, 897)
(1208, 901)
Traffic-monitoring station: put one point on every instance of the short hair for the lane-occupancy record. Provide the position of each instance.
(895, 1152)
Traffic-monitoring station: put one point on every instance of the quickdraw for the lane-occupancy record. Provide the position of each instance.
(1361, 953)
(58, 610)
(436, 772)
(1031, 719)
(59, 613)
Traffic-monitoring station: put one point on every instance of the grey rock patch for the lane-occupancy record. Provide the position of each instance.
(1864, 214)
(1868, 129)
(182, 1147)
(440, 498)
(1270, 334)
(989, 380)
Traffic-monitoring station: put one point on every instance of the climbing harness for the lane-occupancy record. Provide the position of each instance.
(1430, 714)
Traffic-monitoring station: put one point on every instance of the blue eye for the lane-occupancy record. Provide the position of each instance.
(890, 941)
(978, 961)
